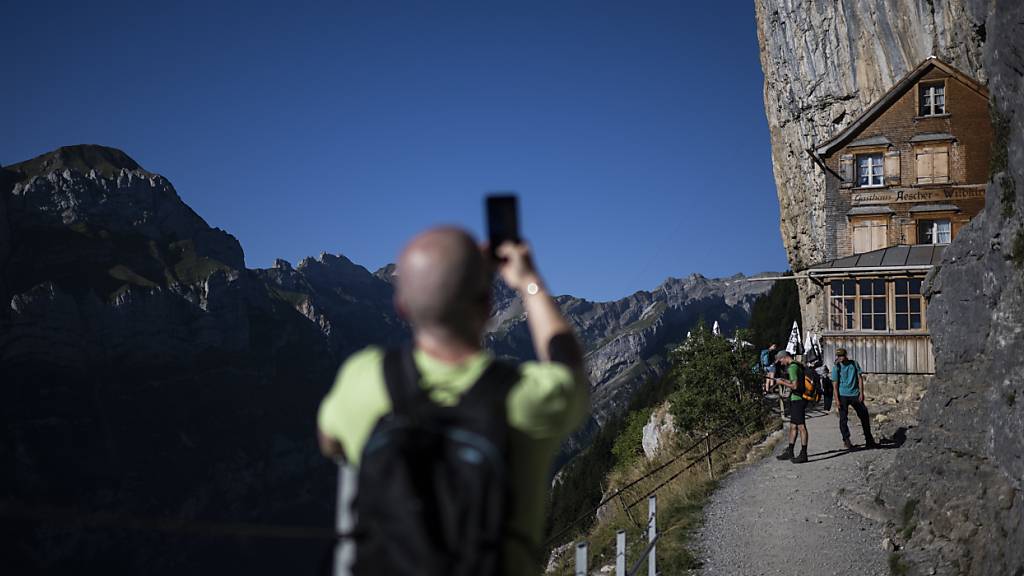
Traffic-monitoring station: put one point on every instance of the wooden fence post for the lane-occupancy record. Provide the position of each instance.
(707, 445)
(344, 520)
(581, 559)
(620, 553)
(652, 533)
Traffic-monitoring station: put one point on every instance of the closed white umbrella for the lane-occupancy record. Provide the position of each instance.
(793, 346)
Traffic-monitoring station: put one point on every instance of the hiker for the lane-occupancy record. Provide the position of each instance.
(797, 406)
(848, 386)
(444, 290)
(814, 360)
(768, 366)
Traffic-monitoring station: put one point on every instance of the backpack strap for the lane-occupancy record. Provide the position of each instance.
(402, 380)
(491, 388)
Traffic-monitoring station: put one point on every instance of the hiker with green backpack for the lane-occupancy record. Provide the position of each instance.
(802, 393)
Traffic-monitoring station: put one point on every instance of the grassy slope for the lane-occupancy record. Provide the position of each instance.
(680, 508)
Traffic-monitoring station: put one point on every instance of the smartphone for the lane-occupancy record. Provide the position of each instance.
(502, 220)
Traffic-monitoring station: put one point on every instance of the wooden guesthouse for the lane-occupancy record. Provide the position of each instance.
(901, 182)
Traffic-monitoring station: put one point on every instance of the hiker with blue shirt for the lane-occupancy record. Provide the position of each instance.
(848, 387)
(768, 366)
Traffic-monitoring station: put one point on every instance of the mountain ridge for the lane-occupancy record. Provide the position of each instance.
(189, 382)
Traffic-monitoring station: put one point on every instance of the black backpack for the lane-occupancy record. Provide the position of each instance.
(433, 488)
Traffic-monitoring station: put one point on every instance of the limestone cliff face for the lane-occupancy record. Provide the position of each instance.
(824, 63)
(955, 492)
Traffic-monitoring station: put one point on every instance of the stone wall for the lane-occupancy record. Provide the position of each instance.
(898, 387)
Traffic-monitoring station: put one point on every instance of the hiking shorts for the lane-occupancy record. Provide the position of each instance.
(796, 411)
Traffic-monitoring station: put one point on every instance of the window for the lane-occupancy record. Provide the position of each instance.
(843, 302)
(932, 164)
(870, 234)
(876, 305)
(933, 99)
(872, 304)
(869, 170)
(909, 304)
(934, 232)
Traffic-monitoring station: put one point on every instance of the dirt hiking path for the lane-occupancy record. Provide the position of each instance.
(819, 518)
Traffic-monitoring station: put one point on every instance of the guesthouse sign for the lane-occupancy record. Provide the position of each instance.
(899, 195)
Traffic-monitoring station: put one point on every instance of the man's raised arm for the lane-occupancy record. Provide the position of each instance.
(553, 337)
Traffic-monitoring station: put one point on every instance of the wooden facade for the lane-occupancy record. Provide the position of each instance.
(901, 182)
(885, 353)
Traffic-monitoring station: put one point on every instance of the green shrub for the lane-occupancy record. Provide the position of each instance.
(628, 446)
(714, 384)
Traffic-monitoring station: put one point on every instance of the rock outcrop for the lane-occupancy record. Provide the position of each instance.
(824, 63)
(957, 490)
(659, 432)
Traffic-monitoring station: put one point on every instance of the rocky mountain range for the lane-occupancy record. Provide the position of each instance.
(148, 373)
(955, 493)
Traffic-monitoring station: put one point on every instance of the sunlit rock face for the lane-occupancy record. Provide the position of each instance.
(955, 492)
(826, 62)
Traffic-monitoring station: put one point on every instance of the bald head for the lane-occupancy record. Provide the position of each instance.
(442, 283)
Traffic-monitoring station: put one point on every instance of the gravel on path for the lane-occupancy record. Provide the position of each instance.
(819, 518)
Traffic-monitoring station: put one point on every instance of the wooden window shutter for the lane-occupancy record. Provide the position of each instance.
(924, 166)
(940, 164)
(846, 170)
(892, 168)
(861, 238)
(879, 235)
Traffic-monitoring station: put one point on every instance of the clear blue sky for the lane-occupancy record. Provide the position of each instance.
(634, 132)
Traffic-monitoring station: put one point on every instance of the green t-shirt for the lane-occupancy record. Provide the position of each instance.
(545, 405)
(796, 374)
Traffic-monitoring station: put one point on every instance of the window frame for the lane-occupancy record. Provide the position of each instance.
(934, 223)
(870, 300)
(846, 311)
(910, 297)
(871, 176)
(928, 87)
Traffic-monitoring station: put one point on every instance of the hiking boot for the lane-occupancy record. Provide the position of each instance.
(802, 458)
(787, 454)
(871, 444)
(847, 445)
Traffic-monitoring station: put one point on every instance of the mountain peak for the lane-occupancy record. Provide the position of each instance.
(81, 157)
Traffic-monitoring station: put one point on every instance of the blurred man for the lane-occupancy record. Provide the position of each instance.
(444, 291)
